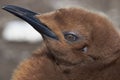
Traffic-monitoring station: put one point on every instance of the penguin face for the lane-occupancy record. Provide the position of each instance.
(83, 36)
(73, 28)
(73, 36)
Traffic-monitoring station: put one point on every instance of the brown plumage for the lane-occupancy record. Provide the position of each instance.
(88, 48)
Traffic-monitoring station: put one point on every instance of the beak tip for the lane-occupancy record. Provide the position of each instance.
(4, 6)
(28, 16)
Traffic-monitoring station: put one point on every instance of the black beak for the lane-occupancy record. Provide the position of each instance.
(29, 17)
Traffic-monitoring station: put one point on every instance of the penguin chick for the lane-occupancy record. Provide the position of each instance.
(78, 45)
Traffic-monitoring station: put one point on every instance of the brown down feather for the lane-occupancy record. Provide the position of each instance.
(97, 33)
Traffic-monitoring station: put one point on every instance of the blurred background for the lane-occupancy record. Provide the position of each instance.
(18, 40)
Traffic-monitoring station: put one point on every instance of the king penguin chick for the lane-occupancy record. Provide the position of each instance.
(78, 45)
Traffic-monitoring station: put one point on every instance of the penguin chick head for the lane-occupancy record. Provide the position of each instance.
(84, 37)
(74, 36)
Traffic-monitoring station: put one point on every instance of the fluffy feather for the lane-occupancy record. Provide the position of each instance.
(64, 60)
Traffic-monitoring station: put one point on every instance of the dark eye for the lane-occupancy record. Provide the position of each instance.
(70, 36)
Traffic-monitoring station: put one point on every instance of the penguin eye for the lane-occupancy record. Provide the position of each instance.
(70, 36)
